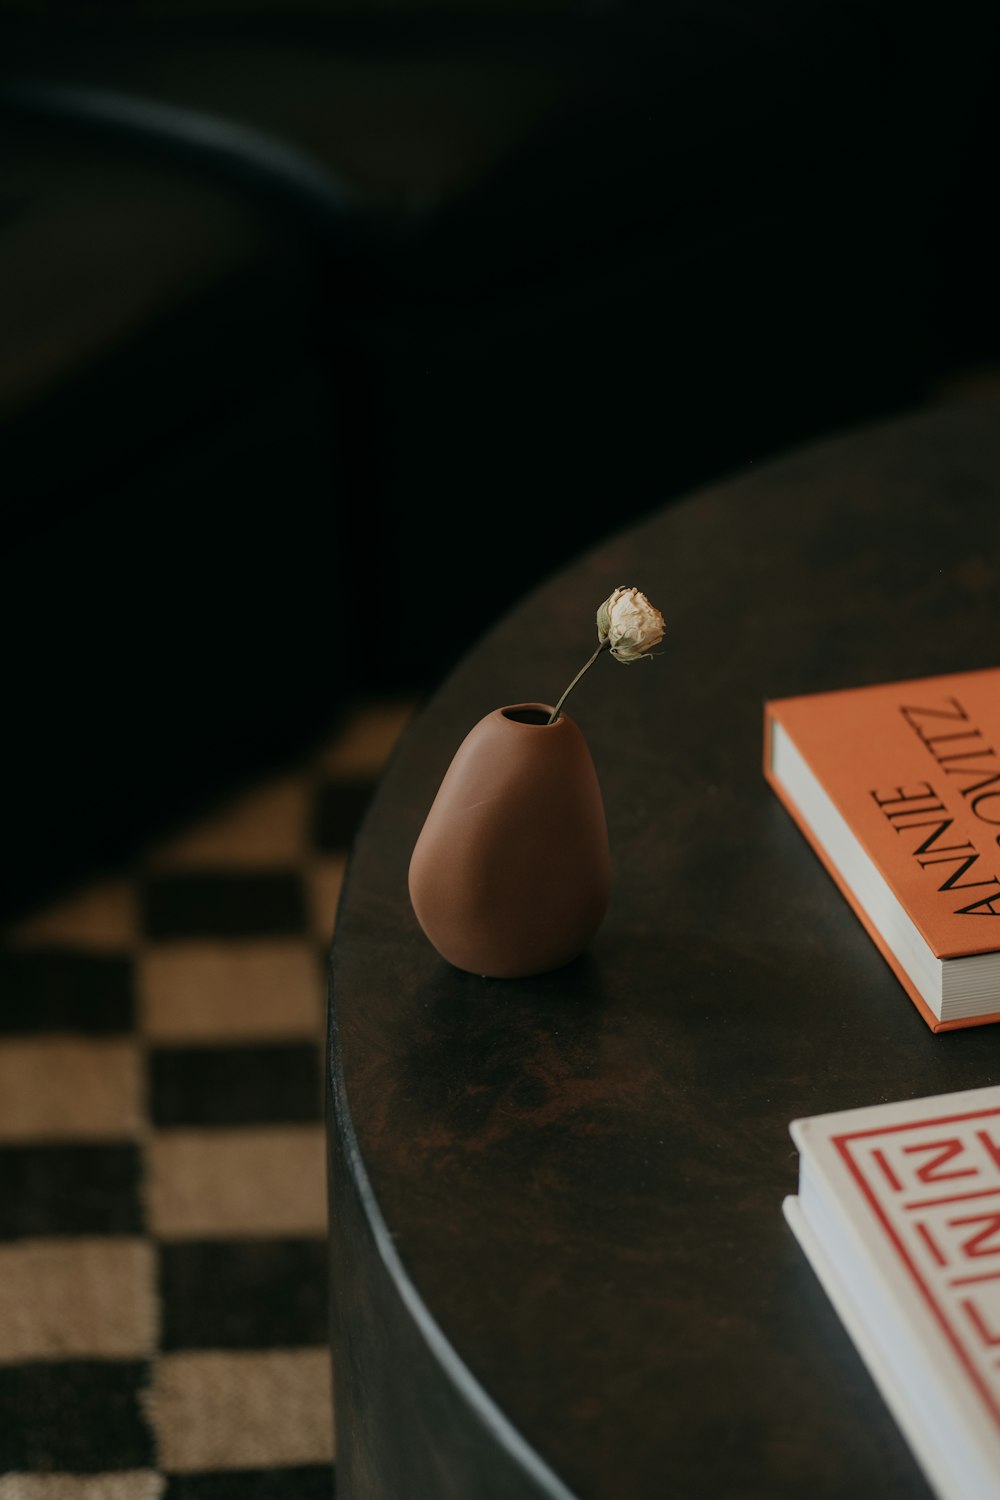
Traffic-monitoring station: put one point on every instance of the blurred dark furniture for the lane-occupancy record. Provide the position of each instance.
(333, 330)
(171, 554)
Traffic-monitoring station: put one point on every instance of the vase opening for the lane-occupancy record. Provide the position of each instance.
(528, 715)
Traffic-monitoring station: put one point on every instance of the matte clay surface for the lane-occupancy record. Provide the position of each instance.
(580, 1176)
(511, 873)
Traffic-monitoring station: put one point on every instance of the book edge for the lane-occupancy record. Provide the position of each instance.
(925, 1452)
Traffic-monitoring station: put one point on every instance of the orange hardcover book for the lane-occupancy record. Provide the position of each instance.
(897, 788)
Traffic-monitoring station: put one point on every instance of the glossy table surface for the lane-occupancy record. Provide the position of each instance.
(559, 1261)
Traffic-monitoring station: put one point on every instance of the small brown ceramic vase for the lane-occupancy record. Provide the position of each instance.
(511, 873)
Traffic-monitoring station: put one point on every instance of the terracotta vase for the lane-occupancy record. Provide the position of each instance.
(511, 873)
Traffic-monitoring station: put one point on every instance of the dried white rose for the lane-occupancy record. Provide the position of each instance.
(630, 623)
(628, 626)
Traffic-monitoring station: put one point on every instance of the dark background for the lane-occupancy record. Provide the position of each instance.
(327, 331)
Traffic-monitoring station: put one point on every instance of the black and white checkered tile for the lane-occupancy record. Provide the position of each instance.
(163, 1212)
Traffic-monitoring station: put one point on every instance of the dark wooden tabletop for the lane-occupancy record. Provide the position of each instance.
(559, 1261)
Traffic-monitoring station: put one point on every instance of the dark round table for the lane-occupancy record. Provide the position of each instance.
(559, 1264)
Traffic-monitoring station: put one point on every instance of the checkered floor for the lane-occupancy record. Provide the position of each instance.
(163, 1214)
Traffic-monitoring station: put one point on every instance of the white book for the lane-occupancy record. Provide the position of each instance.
(898, 1211)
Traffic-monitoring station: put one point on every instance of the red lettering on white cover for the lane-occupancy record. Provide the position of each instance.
(952, 1198)
(976, 1244)
(932, 1245)
(944, 1226)
(878, 1156)
(947, 1151)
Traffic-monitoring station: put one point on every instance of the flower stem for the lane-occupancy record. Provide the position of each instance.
(585, 668)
